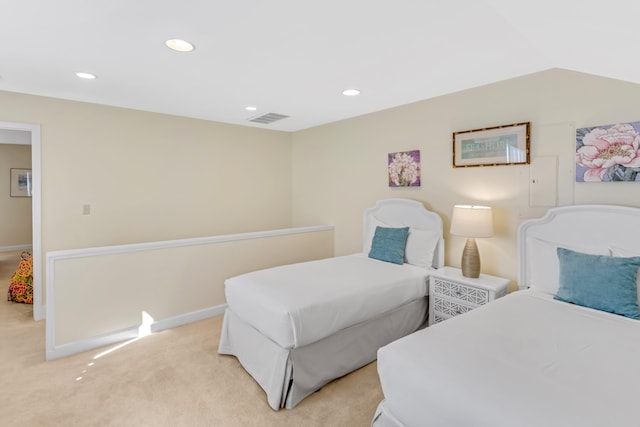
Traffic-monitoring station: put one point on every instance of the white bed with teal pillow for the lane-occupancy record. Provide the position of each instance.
(296, 327)
(561, 351)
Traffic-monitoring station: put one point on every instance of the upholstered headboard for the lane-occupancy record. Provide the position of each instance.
(601, 229)
(405, 213)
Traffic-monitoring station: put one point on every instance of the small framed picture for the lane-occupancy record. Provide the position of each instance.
(20, 182)
(494, 146)
(404, 168)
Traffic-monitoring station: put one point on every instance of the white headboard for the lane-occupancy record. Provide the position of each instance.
(406, 213)
(579, 226)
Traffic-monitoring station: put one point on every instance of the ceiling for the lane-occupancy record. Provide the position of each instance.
(295, 57)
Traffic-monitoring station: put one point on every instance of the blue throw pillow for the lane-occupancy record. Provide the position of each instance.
(599, 281)
(388, 244)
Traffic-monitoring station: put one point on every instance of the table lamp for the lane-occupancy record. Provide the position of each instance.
(471, 222)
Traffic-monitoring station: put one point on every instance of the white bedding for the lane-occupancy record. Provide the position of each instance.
(523, 360)
(298, 304)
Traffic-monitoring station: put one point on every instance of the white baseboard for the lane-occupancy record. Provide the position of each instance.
(15, 248)
(131, 333)
(183, 319)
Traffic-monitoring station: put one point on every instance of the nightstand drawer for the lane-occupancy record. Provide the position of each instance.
(450, 308)
(450, 293)
(460, 292)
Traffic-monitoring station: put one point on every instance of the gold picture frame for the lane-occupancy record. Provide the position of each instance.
(493, 146)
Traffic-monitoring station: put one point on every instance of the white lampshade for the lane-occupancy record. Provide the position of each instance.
(472, 221)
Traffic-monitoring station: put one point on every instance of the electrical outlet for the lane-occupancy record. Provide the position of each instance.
(86, 209)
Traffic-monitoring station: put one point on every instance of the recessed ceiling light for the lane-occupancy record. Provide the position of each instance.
(179, 45)
(86, 76)
(250, 108)
(351, 92)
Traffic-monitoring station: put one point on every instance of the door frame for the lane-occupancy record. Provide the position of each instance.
(36, 212)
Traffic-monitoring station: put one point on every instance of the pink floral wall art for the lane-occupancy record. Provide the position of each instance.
(404, 169)
(608, 153)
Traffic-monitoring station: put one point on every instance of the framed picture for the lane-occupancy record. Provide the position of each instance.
(404, 168)
(499, 145)
(20, 183)
(608, 153)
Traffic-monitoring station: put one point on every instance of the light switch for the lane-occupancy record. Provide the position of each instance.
(543, 177)
(86, 209)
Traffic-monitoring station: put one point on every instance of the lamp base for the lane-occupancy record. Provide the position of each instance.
(470, 259)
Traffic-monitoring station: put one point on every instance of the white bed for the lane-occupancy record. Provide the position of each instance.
(294, 328)
(529, 359)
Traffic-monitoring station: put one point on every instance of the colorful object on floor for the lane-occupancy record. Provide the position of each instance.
(21, 285)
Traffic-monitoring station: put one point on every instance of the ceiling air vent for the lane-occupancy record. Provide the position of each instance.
(268, 118)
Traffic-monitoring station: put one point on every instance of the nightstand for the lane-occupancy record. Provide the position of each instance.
(450, 293)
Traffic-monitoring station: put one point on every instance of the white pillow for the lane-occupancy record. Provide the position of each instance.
(420, 248)
(543, 267)
(624, 253)
(627, 253)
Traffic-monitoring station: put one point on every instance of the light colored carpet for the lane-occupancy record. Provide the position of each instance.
(171, 378)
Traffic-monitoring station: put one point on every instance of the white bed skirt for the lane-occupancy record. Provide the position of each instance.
(289, 375)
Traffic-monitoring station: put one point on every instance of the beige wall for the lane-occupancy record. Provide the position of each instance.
(149, 176)
(152, 177)
(340, 168)
(15, 212)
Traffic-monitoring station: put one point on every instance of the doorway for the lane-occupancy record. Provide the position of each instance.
(36, 210)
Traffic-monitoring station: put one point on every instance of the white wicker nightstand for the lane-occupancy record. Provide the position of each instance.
(450, 293)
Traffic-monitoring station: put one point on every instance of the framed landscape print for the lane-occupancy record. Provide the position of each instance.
(494, 146)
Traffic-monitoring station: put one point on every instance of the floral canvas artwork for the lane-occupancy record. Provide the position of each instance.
(608, 153)
(404, 169)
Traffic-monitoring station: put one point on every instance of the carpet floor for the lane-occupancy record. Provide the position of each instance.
(171, 378)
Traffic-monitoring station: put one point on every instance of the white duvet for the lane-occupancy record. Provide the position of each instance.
(523, 360)
(298, 304)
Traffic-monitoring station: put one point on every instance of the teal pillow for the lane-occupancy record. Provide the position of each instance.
(388, 244)
(599, 281)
